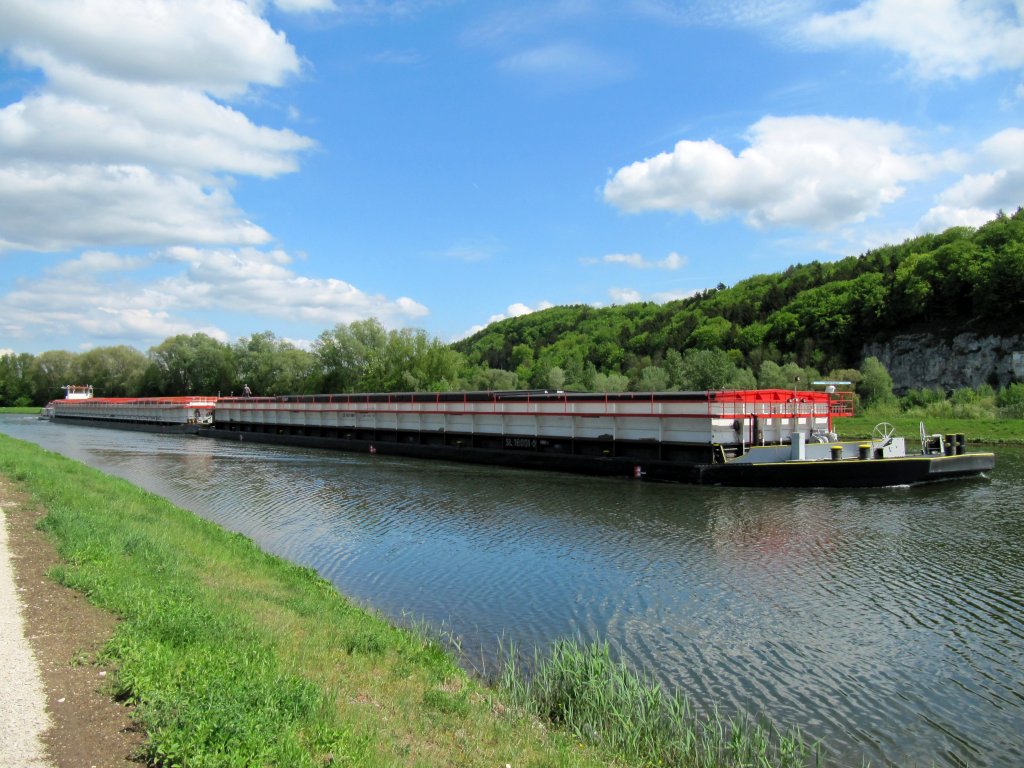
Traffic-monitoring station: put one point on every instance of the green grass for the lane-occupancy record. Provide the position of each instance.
(20, 409)
(977, 430)
(237, 658)
(233, 657)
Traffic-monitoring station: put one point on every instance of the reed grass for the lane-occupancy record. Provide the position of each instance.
(600, 700)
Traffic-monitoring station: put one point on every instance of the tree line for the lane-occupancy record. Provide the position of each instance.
(787, 329)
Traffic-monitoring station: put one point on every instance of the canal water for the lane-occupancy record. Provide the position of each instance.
(889, 623)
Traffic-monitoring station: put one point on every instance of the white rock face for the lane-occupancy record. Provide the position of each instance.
(921, 360)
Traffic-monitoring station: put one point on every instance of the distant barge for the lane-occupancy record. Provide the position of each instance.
(144, 414)
(765, 437)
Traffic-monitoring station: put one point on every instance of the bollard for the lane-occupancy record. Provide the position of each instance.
(837, 452)
(950, 445)
(961, 444)
(864, 451)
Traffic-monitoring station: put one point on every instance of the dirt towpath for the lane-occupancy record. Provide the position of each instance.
(55, 701)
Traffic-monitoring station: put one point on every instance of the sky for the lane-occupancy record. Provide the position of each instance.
(231, 167)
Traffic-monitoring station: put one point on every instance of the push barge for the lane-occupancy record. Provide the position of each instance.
(145, 414)
(766, 437)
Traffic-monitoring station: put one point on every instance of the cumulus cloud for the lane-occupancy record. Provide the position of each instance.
(671, 262)
(109, 296)
(940, 39)
(633, 296)
(84, 116)
(262, 282)
(124, 143)
(996, 182)
(90, 305)
(220, 47)
(52, 207)
(809, 171)
(513, 310)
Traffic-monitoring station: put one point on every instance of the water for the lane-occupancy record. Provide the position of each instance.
(887, 622)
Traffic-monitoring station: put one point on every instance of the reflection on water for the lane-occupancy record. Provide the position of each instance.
(887, 622)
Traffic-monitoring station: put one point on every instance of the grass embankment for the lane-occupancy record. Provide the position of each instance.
(19, 409)
(236, 658)
(977, 430)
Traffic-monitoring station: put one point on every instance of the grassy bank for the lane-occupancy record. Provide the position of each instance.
(237, 658)
(14, 409)
(908, 425)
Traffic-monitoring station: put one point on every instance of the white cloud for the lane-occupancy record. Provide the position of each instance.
(633, 296)
(123, 144)
(940, 38)
(96, 262)
(514, 310)
(569, 62)
(48, 207)
(142, 310)
(810, 171)
(624, 295)
(261, 282)
(715, 13)
(995, 183)
(305, 6)
(671, 262)
(221, 47)
(86, 118)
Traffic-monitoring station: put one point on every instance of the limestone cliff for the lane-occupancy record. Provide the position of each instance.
(923, 360)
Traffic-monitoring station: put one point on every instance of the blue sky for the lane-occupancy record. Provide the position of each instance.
(233, 166)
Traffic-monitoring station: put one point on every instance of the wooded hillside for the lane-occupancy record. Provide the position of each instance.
(818, 314)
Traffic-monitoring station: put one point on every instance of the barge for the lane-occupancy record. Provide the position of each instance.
(766, 437)
(145, 414)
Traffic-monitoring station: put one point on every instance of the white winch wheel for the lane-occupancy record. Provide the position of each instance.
(882, 432)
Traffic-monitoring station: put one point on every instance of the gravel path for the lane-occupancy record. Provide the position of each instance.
(22, 697)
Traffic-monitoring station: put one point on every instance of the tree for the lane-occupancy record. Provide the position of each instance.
(611, 382)
(112, 371)
(708, 369)
(270, 365)
(653, 379)
(190, 365)
(875, 387)
(51, 371)
(16, 379)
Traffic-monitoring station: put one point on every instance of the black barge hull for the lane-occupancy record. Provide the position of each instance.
(134, 426)
(701, 470)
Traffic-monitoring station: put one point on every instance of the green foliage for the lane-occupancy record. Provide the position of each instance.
(187, 365)
(875, 387)
(1011, 401)
(364, 357)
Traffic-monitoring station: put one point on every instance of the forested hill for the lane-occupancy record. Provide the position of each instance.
(816, 315)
